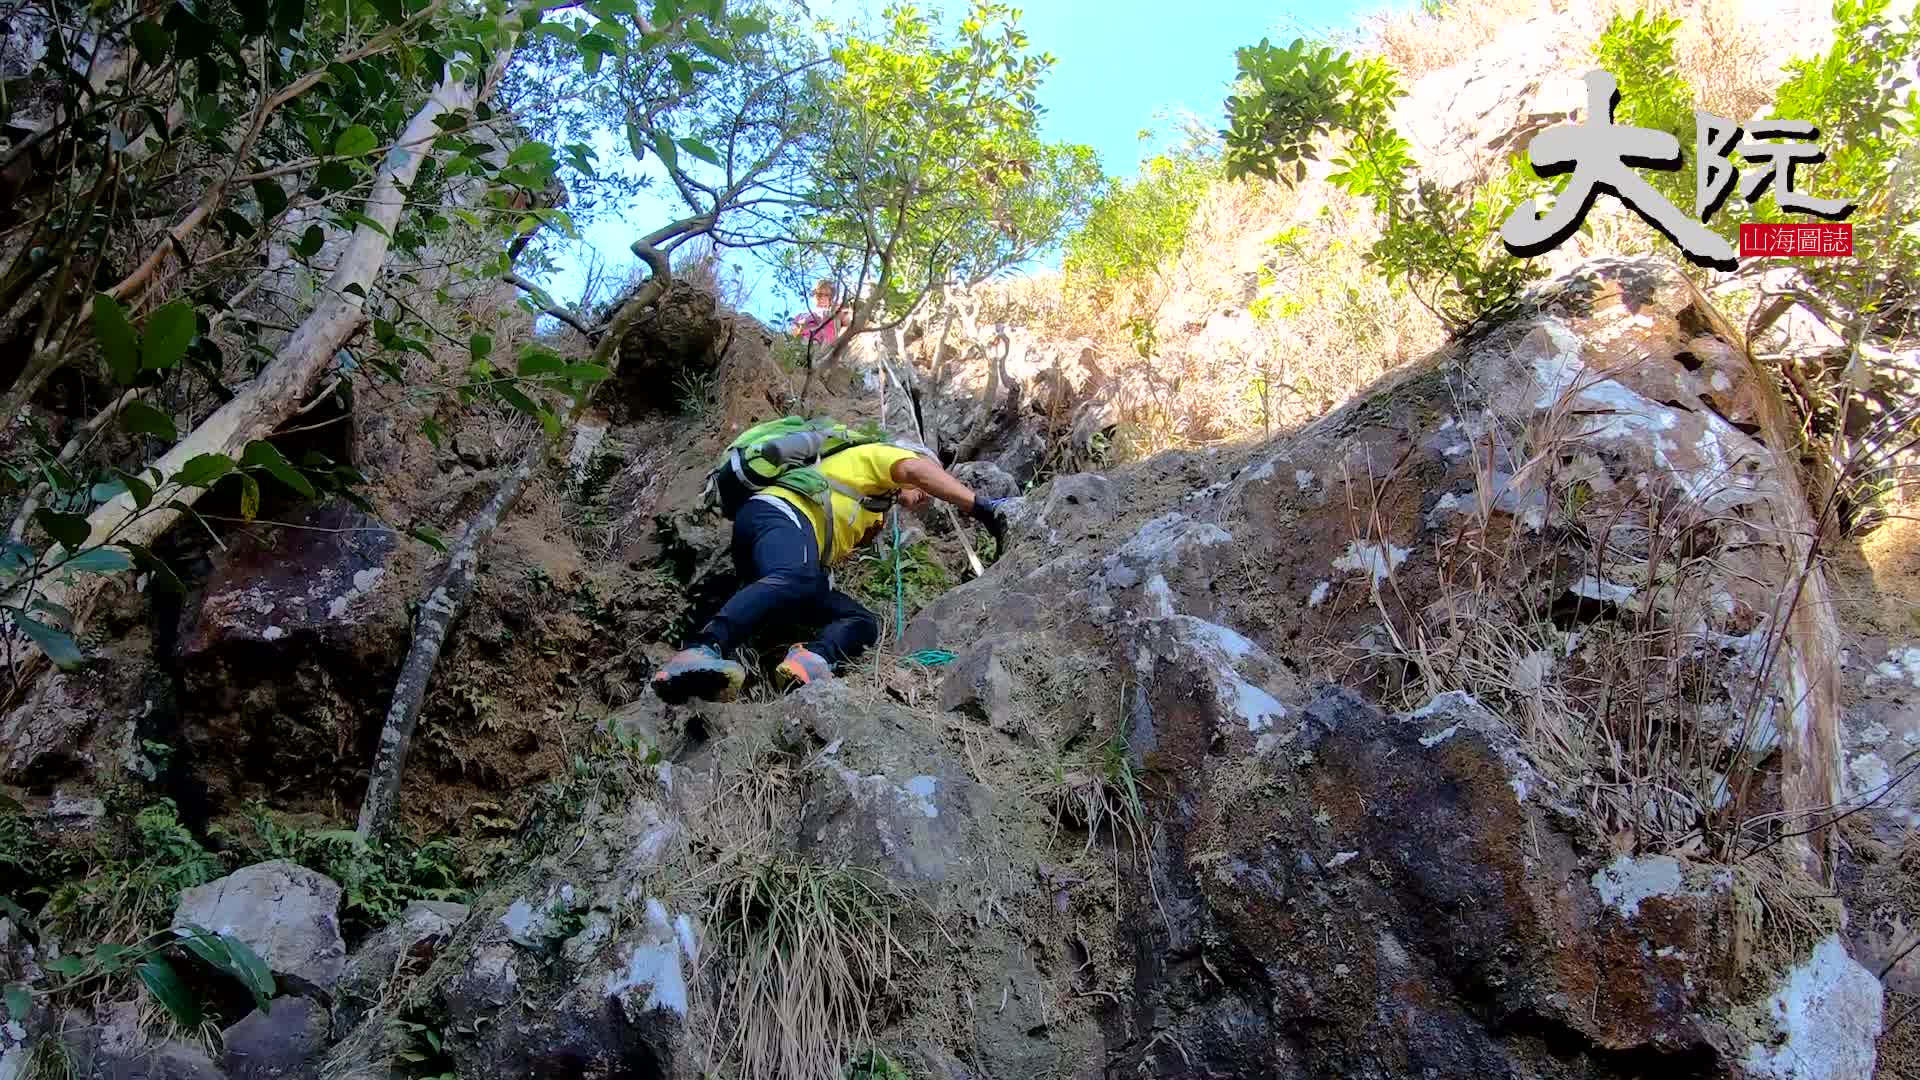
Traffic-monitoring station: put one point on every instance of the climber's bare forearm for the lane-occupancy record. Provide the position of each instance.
(927, 475)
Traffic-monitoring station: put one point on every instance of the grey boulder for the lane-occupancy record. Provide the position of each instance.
(286, 913)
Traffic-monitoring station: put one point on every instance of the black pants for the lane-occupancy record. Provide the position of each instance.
(779, 564)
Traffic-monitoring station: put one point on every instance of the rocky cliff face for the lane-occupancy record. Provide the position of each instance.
(1447, 736)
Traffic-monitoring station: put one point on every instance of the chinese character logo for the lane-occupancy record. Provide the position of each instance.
(1602, 156)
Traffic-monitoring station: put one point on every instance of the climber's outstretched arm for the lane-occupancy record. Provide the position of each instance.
(926, 474)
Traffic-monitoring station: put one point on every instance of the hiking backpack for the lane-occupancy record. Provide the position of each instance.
(783, 453)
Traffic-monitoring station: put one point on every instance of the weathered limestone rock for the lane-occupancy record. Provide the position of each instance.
(1380, 896)
(987, 479)
(404, 946)
(77, 727)
(288, 661)
(281, 1044)
(113, 1047)
(880, 797)
(41, 738)
(286, 913)
(620, 1013)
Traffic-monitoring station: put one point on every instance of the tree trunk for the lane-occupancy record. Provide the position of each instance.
(442, 606)
(450, 594)
(265, 402)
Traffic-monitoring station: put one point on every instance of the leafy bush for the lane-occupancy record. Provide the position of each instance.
(1138, 226)
(129, 893)
(378, 880)
(922, 577)
(1638, 51)
(1859, 95)
(1444, 249)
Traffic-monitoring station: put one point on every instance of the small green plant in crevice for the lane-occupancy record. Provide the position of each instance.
(874, 1065)
(419, 1047)
(29, 865)
(922, 577)
(813, 950)
(1103, 792)
(694, 393)
(378, 879)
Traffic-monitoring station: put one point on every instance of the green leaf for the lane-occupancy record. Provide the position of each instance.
(310, 242)
(355, 141)
(271, 197)
(169, 331)
(141, 418)
(513, 396)
(100, 560)
(249, 497)
(62, 618)
(71, 530)
(335, 176)
(715, 48)
(586, 372)
(171, 992)
(117, 339)
(433, 431)
(68, 965)
(19, 1002)
(264, 455)
(700, 150)
(481, 346)
(250, 970)
(530, 153)
(203, 470)
(682, 70)
(535, 360)
(65, 654)
(151, 42)
(163, 575)
(665, 148)
(354, 217)
(231, 956)
(430, 536)
(141, 491)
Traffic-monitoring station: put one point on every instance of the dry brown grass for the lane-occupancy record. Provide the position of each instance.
(1726, 53)
(1640, 714)
(813, 949)
(1415, 42)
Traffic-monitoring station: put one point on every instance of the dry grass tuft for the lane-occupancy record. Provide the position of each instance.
(814, 950)
(1103, 793)
(1588, 627)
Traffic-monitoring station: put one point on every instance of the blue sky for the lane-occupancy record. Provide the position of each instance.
(1121, 66)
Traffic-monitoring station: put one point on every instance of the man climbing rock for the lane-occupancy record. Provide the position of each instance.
(774, 487)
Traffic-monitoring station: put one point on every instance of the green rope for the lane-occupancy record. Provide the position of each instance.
(899, 590)
(929, 658)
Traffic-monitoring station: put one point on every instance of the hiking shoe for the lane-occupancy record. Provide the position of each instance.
(802, 667)
(699, 672)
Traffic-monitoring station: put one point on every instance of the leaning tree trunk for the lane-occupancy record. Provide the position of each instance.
(444, 603)
(266, 402)
(450, 593)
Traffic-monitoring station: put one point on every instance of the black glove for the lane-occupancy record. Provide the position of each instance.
(993, 514)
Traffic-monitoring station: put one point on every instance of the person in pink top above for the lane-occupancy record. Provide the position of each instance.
(828, 320)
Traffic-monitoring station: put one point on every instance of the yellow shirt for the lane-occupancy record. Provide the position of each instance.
(867, 470)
